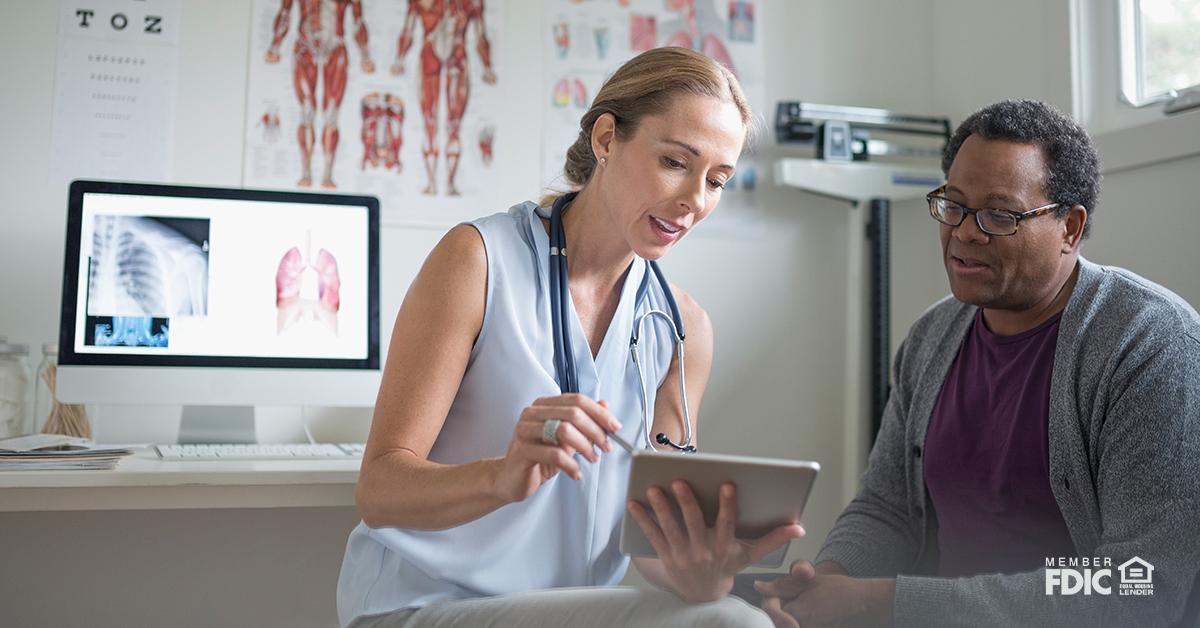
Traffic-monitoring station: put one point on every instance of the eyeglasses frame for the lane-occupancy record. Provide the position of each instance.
(1017, 216)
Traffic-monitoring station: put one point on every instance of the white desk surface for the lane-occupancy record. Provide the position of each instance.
(144, 481)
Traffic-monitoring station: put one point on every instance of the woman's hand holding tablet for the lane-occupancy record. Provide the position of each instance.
(707, 517)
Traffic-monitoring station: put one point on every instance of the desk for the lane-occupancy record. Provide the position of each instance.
(144, 481)
(180, 543)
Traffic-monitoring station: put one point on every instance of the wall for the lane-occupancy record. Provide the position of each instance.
(784, 294)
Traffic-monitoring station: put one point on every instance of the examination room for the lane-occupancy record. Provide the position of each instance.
(874, 313)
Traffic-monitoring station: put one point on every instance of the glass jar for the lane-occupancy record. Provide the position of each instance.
(43, 399)
(14, 388)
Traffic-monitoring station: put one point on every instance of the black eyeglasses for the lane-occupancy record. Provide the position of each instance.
(997, 222)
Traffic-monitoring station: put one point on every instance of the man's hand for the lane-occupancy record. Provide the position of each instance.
(823, 597)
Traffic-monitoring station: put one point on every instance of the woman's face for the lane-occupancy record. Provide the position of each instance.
(664, 180)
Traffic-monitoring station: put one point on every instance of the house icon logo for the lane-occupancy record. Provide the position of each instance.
(1137, 577)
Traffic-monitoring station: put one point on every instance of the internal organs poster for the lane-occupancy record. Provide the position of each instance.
(394, 98)
(586, 42)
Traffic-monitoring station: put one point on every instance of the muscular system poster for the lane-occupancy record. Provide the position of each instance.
(394, 98)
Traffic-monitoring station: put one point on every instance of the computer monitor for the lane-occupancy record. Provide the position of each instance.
(219, 300)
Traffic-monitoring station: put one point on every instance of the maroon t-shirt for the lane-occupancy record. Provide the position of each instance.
(987, 461)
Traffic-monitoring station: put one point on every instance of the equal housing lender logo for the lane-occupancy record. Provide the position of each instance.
(1094, 576)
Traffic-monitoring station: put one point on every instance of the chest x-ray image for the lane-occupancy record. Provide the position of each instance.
(148, 266)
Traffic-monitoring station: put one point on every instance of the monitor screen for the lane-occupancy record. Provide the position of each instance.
(184, 276)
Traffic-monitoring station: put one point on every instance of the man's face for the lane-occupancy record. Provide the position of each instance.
(1001, 272)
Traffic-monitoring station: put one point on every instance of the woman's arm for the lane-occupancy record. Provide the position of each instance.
(431, 341)
(436, 327)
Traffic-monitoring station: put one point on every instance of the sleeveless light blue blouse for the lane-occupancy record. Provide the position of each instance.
(566, 534)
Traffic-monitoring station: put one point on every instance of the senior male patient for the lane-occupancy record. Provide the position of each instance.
(1048, 411)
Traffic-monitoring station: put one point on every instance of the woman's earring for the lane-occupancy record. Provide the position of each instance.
(603, 160)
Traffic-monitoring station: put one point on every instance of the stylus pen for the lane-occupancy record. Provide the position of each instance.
(621, 441)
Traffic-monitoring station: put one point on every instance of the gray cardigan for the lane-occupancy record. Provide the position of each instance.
(1124, 464)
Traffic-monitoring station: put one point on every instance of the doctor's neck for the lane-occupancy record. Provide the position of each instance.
(596, 246)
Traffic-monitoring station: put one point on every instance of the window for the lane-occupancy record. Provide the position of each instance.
(1160, 49)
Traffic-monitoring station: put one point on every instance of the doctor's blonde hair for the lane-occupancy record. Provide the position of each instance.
(647, 85)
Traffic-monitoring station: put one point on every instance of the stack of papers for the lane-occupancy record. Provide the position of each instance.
(42, 452)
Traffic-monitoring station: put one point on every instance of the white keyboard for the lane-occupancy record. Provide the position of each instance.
(245, 451)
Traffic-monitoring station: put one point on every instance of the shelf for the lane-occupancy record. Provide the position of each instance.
(857, 181)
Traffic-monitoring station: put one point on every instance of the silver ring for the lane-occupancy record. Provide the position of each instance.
(550, 431)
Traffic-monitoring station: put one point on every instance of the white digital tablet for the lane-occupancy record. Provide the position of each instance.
(770, 492)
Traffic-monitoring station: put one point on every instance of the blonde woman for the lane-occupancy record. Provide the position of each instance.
(490, 496)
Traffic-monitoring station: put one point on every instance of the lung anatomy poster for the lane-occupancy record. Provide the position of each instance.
(394, 98)
(586, 41)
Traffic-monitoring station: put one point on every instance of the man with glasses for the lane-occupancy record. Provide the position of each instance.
(1045, 418)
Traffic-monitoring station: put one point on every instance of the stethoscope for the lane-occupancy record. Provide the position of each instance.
(564, 357)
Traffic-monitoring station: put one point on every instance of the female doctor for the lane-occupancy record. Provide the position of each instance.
(490, 496)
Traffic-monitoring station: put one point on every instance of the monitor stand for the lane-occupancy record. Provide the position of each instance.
(217, 424)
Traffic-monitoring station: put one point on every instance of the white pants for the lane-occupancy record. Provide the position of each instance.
(582, 607)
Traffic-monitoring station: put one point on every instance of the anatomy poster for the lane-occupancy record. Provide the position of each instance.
(585, 42)
(394, 98)
(114, 89)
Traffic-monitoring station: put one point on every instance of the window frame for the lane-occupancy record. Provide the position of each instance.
(1131, 65)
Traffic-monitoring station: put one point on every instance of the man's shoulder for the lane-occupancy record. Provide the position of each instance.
(939, 317)
(1120, 302)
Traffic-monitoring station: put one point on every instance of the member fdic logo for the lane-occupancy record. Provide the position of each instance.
(1094, 576)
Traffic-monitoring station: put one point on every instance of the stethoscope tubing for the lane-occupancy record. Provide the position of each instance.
(564, 356)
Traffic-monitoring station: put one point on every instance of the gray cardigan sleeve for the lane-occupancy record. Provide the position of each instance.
(876, 535)
(1148, 490)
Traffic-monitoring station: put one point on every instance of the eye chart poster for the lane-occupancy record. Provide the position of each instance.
(114, 89)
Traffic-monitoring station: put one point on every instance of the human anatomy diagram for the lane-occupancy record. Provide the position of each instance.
(700, 31)
(269, 122)
(585, 41)
(320, 50)
(568, 91)
(382, 131)
(444, 25)
(487, 140)
(410, 102)
(307, 288)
